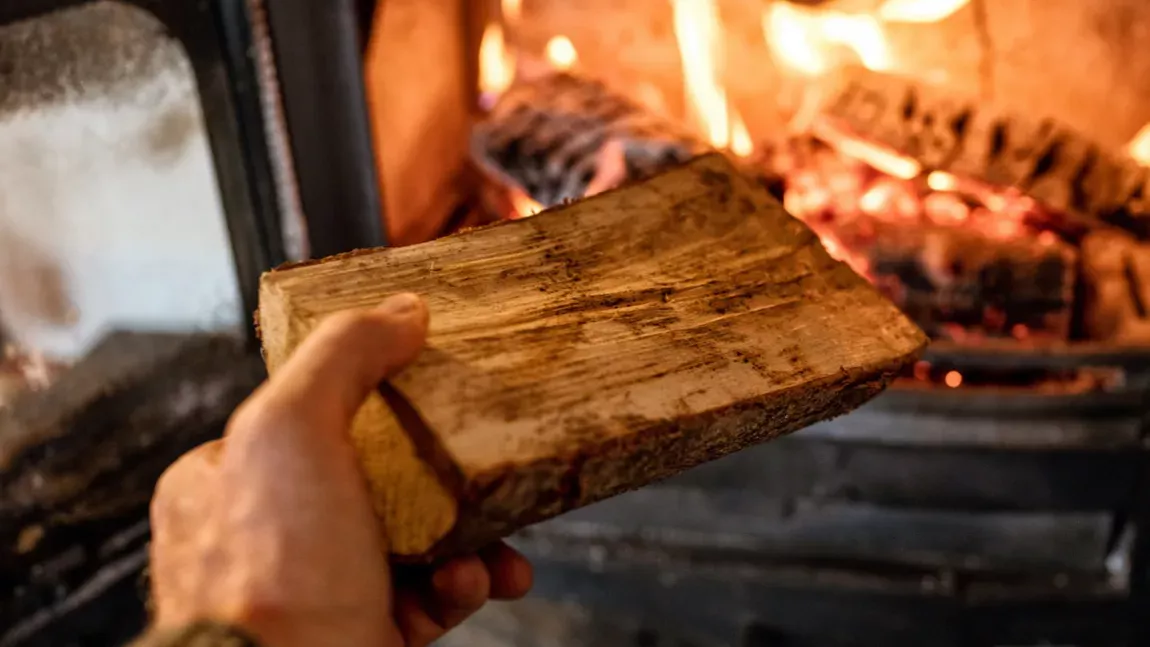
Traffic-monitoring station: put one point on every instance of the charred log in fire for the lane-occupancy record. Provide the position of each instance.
(562, 137)
(963, 260)
(1067, 172)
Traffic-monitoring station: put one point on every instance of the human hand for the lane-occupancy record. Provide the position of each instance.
(271, 528)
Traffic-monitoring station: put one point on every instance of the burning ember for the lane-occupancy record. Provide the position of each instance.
(965, 259)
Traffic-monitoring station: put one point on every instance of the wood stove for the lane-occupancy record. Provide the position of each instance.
(995, 496)
(148, 181)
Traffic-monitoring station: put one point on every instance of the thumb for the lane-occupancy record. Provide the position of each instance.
(332, 372)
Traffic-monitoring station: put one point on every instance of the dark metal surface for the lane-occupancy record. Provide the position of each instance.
(1011, 355)
(755, 528)
(972, 480)
(319, 60)
(683, 598)
(1003, 432)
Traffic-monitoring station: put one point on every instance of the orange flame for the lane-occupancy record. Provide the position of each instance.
(561, 52)
(512, 10)
(496, 62)
(522, 205)
(802, 38)
(942, 181)
(741, 143)
(919, 11)
(697, 30)
(1139, 147)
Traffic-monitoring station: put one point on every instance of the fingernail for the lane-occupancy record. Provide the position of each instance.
(401, 304)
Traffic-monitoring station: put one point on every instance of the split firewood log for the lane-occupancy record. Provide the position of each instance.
(595, 348)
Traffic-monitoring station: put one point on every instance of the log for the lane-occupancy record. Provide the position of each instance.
(1116, 288)
(594, 348)
(950, 132)
(558, 135)
(954, 282)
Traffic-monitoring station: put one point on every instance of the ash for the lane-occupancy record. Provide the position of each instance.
(100, 50)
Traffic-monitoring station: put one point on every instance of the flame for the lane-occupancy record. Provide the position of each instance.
(698, 31)
(496, 62)
(942, 181)
(919, 11)
(561, 52)
(522, 205)
(878, 156)
(1139, 147)
(512, 10)
(802, 38)
(741, 143)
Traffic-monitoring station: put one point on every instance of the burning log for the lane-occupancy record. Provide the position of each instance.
(955, 282)
(595, 348)
(561, 137)
(1116, 278)
(1051, 163)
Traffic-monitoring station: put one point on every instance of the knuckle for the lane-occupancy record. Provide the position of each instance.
(260, 416)
(181, 478)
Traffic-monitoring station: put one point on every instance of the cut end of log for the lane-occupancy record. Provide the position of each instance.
(595, 348)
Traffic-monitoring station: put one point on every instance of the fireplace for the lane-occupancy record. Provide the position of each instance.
(947, 149)
(994, 495)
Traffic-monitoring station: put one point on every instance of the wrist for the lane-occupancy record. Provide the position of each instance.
(200, 634)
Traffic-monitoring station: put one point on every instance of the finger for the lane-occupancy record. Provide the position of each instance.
(430, 604)
(459, 588)
(419, 629)
(510, 572)
(331, 373)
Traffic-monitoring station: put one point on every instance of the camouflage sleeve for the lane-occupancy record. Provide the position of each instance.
(200, 634)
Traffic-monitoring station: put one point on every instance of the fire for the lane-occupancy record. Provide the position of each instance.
(942, 181)
(919, 11)
(496, 63)
(522, 205)
(803, 38)
(511, 9)
(741, 143)
(697, 30)
(877, 156)
(1139, 147)
(561, 52)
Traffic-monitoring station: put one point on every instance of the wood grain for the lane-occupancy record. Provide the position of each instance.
(595, 348)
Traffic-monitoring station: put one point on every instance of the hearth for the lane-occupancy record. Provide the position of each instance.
(946, 149)
(992, 496)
